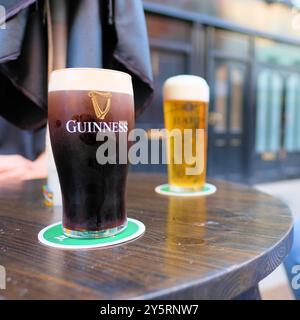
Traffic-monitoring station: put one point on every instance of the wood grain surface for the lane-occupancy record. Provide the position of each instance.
(215, 247)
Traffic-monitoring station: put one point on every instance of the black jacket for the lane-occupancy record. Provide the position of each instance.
(44, 35)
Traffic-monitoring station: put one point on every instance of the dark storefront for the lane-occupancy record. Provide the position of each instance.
(254, 76)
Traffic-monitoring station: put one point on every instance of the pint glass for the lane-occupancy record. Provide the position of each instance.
(82, 103)
(186, 100)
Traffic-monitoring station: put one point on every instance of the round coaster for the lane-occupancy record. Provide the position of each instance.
(205, 191)
(53, 236)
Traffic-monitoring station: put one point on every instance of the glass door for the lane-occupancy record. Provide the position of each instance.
(226, 120)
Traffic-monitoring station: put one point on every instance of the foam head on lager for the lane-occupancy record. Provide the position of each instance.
(83, 102)
(186, 100)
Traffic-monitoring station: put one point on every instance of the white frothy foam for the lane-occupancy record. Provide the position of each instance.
(186, 87)
(90, 79)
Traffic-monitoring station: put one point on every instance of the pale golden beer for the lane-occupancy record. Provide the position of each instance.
(186, 100)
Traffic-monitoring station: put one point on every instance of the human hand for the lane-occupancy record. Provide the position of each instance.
(15, 168)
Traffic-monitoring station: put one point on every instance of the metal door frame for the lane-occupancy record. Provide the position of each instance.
(212, 56)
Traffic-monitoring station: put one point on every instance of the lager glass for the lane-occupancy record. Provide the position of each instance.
(186, 100)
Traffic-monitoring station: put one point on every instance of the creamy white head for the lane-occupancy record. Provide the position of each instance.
(90, 79)
(186, 87)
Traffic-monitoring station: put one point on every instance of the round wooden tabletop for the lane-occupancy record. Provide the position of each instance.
(214, 247)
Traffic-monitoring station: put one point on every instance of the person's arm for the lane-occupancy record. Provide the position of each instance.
(17, 168)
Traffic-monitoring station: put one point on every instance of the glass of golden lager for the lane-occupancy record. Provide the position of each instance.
(186, 99)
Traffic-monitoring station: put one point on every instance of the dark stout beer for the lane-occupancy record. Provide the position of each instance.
(83, 102)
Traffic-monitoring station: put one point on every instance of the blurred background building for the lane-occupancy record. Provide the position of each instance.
(249, 52)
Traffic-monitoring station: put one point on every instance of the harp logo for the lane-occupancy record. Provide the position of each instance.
(101, 102)
(2, 17)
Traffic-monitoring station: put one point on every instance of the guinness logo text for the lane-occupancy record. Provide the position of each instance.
(74, 126)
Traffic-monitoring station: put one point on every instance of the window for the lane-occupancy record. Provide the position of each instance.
(165, 64)
(237, 83)
(168, 29)
(292, 116)
(268, 51)
(221, 97)
(231, 43)
(268, 111)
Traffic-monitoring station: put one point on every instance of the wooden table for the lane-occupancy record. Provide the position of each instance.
(217, 247)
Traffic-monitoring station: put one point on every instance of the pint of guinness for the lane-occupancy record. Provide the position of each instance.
(82, 103)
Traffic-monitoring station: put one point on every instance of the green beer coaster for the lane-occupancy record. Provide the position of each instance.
(53, 236)
(205, 191)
